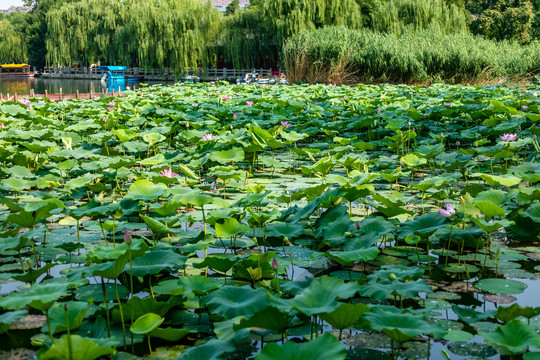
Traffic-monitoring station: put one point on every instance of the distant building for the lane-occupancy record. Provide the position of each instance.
(221, 5)
(17, 9)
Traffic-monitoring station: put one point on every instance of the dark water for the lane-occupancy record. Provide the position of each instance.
(68, 86)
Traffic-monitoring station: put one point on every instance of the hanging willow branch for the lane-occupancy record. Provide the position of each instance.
(153, 34)
(12, 46)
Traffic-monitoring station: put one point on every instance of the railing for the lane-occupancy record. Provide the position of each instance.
(154, 74)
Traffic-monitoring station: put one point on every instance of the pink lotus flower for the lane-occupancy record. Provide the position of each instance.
(225, 98)
(235, 116)
(218, 92)
(212, 82)
(447, 104)
(249, 103)
(168, 173)
(194, 104)
(105, 119)
(112, 103)
(285, 124)
(25, 102)
(447, 211)
(524, 107)
(275, 264)
(110, 108)
(207, 137)
(2, 125)
(508, 137)
(378, 110)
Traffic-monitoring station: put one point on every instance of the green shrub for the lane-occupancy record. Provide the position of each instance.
(338, 54)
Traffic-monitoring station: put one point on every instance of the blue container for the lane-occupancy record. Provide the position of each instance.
(113, 73)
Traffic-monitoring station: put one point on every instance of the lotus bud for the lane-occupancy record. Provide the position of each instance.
(442, 135)
(65, 307)
(534, 137)
(286, 240)
(462, 199)
(127, 237)
(358, 225)
(275, 264)
(458, 143)
(409, 123)
(187, 124)
(231, 126)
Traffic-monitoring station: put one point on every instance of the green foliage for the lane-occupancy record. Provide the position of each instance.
(233, 7)
(338, 54)
(398, 15)
(12, 45)
(503, 19)
(171, 33)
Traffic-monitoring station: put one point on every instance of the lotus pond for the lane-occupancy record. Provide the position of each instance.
(304, 222)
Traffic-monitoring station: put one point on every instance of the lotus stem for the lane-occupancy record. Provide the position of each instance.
(70, 349)
(103, 289)
(49, 325)
(121, 313)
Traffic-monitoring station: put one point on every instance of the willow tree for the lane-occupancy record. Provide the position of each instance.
(12, 45)
(395, 16)
(255, 36)
(167, 33)
(288, 17)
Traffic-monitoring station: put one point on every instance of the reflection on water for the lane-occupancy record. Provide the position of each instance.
(22, 86)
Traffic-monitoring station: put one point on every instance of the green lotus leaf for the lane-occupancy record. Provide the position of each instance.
(38, 296)
(76, 311)
(233, 301)
(402, 326)
(187, 171)
(137, 248)
(230, 227)
(81, 181)
(412, 160)
(382, 291)
(146, 324)
(345, 316)
(157, 226)
(458, 335)
(76, 348)
(10, 317)
(509, 313)
(514, 336)
(322, 348)
(155, 261)
(470, 316)
(218, 262)
(198, 284)
(154, 160)
(214, 349)
(281, 229)
(489, 209)
(169, 334)
(227, 156)
(125, 135)
(423, 225)
(499, 180)
(501, 286)
(269, 318)
(146, 190)
(401, 273)
(347, 258)
(153, 138)
(322, 294)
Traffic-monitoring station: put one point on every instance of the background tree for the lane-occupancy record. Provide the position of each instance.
(12, 46)
(503, 19)
(232, 7)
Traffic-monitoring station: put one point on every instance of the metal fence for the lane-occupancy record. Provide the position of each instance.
(153, 74)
